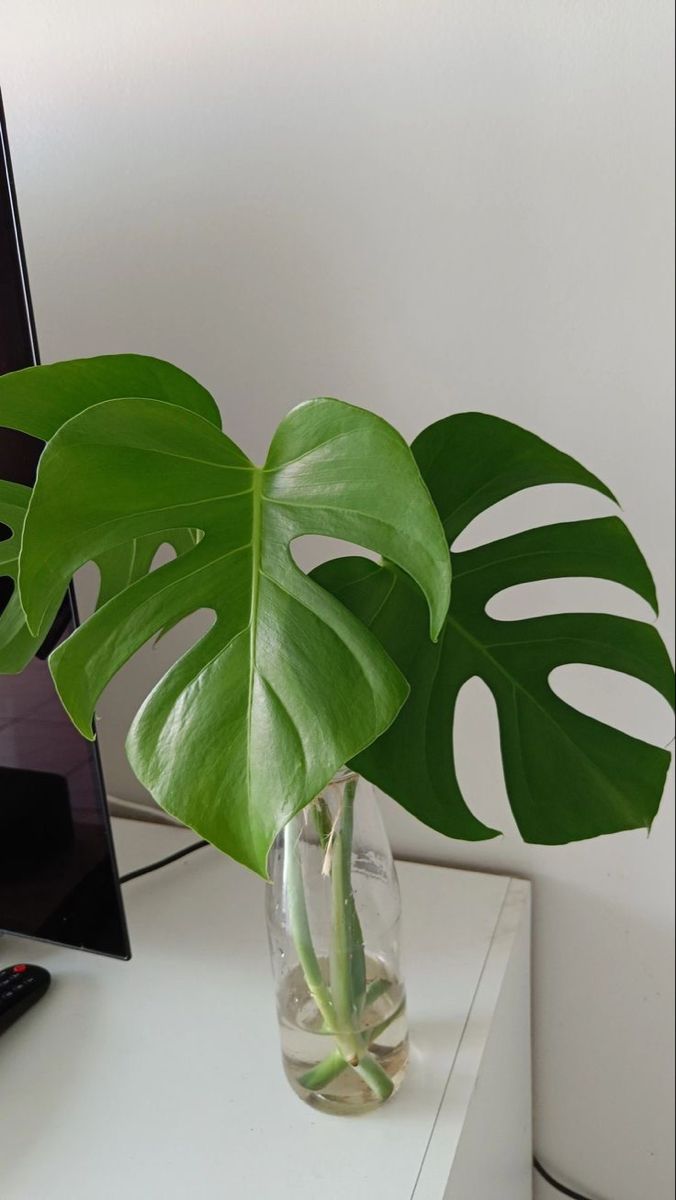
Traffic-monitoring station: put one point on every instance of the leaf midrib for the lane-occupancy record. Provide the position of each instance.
(492, 563)
(256, 543)
(162, 451)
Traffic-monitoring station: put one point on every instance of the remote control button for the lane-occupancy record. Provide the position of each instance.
(19, 968)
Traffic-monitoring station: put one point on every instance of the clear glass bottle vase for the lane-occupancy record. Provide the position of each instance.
(333, 912)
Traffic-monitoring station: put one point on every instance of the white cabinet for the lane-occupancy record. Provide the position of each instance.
(160, 1079)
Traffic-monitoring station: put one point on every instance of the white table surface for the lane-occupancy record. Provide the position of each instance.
(160, 1078)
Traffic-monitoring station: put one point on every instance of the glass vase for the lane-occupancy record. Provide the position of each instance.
(333, 913)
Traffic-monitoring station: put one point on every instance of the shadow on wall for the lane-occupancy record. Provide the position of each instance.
(603, 994)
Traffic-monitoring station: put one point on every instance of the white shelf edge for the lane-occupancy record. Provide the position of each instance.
(464, 1071)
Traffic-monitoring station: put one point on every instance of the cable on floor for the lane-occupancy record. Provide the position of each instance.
(559, 1187)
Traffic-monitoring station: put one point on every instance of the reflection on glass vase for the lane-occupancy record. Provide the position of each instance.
(333, 912)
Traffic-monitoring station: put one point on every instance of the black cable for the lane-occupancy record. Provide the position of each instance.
(560, 1187)
(163, 862)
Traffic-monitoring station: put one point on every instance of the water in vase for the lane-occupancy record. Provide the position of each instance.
(329, 1069)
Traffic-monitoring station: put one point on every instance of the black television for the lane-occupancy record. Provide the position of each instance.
(58, 874)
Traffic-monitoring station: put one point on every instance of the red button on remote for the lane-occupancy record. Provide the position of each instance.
(18, 970)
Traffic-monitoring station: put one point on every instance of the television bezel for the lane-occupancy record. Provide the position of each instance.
(18, 265)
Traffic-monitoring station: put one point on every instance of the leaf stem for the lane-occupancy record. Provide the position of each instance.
(347, 959)
(338, 1005)
(334, 1064)
(342, 944)
(300, 928)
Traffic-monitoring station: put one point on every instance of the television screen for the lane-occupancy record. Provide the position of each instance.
(58, 876)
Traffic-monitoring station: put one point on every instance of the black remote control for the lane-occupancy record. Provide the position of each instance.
(20, 986)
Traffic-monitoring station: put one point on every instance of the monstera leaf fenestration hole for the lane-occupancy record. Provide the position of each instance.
(250, 724)
(568, 775)
(37, 402)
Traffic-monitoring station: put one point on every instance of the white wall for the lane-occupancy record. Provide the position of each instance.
(420, 206)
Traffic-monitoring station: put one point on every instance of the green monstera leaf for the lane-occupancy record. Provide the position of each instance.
(17, 644)
(250, 724)
(37, 401)
(568, 775)
(118, 567)
(123, 565)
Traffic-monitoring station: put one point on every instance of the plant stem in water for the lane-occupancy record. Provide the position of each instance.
(342, 944)
(300, 928)
(334, 1064)
(340, 1005)
(348, 967)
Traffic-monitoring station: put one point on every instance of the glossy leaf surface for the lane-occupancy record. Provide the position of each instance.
(568, 776)
(252, 722)
(37, 401)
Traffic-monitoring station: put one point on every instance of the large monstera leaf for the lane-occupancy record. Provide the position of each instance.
(251, 723)
(37, 401)
(568, 776)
